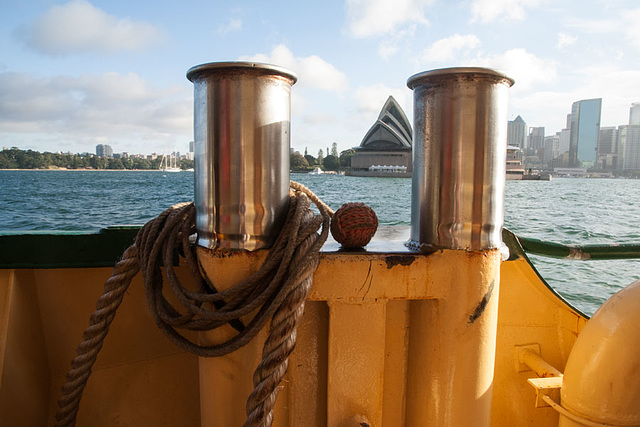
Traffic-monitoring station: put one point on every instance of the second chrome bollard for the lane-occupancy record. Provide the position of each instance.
(459, 158)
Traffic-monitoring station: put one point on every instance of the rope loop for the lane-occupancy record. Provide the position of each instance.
(277, 291)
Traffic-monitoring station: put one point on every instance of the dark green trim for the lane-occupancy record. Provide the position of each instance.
(516, 251)
(104, 248)
(583, 253)
(65, 250)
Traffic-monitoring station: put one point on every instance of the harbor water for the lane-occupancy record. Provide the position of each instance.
(564, 210)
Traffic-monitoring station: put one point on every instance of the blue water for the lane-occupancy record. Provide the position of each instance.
(570, 211)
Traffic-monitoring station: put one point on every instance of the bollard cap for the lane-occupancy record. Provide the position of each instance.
(419, 78)
(241, 67)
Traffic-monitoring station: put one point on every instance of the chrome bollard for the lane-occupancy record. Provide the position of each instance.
(459, 156)
(242, 121)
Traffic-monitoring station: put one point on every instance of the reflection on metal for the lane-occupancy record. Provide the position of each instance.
(459, 151)
(242, 132)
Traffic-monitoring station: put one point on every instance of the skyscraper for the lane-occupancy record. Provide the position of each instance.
(634, 114)
(585, 127)
(607, 148)
(629, 142)
(535, 141)
(516, 132)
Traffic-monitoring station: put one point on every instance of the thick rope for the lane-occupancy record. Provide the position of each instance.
(277, 290)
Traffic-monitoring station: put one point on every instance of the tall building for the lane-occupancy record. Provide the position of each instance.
(585, 127)
(104, 150)
(634, 114)
(551, 149)
(516, 132)
(629, 143)
(535, 141)
(607, 153)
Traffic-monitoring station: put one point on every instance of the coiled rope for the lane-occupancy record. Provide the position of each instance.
(277, 291)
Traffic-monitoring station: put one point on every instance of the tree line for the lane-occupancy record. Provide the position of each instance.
(332, 162)
(15, 158)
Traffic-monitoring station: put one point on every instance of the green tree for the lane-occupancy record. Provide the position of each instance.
(99, 162)
(334, 149)
(345, 157)
(310, 159)
(186, 164)
(331, 163)
(297, 161)
(115, 164)
(140, 163)
(320, 157)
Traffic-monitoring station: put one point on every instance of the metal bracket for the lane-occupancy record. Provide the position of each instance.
(546, 387)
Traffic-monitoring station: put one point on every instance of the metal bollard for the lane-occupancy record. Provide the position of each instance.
(459, 156)
(242, 121)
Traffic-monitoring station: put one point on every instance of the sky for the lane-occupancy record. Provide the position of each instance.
(74, 74)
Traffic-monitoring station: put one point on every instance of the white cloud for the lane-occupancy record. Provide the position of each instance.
(370, 99)
(90, 108)
(631, 27)
(446, 49)
(549, 108)
(491, 10)
(230, 26)
(524, 67)
(312, 71)
(389, 45)
(626, 23)
(368, 18)
(565, 39)
(80, 27)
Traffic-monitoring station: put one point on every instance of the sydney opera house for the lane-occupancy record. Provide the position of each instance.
(385, 150)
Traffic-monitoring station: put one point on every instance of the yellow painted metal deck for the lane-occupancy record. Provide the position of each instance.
(371, 348)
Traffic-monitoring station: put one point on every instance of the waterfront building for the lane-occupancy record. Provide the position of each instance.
(385, 149)
(516, 132)
(629, 143)
(607, 152)
(634, 114)
(551, 149)
(104, 150)
(515, 168)
(585, 127)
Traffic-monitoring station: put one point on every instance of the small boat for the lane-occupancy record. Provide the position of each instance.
(170, 165)
(316, 171)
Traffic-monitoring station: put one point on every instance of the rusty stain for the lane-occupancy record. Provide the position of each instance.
(482, 304)
(393, 260)
(369, 278)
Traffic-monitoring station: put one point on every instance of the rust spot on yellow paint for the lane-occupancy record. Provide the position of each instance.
(482, 304)
(393, 260)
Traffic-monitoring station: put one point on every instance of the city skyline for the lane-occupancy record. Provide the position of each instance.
(77, 73)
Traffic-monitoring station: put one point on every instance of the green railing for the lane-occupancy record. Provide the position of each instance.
(577, 252)
(104, 248)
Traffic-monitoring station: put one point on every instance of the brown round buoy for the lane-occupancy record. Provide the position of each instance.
(353, 225)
